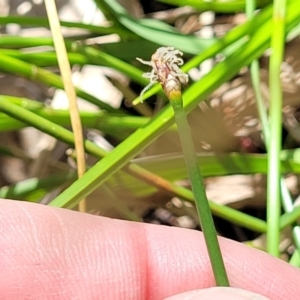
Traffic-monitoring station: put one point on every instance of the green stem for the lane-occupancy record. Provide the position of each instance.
(230, 6)
(274, 145)
(43, 22)
(201, 201)
(290, 217)
(288, 206)
(295, 259)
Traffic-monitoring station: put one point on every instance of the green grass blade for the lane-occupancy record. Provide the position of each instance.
(274, 145)
(154, 30)
(295, 259)
(43, 22)
(228, 6)
(45, 59)
(289, 218)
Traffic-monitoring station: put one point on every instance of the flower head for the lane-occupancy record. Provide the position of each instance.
(165, 70)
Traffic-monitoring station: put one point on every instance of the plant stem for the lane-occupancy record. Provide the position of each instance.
(201, 201)
(43, 22)
(274, 144)
(66, 75)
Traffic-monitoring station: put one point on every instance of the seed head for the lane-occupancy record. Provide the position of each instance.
(165, 70)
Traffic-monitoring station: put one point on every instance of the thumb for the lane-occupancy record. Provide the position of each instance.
(220, 293)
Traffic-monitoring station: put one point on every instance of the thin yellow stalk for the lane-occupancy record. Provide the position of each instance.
(65, 70)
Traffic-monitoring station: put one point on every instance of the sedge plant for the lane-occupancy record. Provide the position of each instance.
(165, 64)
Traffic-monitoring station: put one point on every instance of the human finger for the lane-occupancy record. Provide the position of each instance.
(61, 254)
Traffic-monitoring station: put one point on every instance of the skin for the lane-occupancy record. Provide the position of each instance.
(50, 253)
